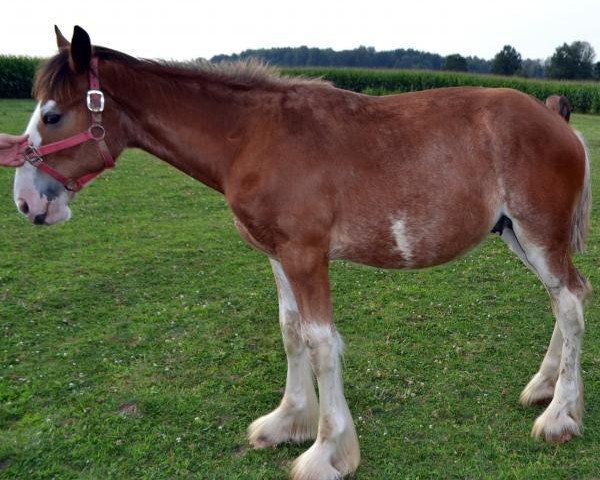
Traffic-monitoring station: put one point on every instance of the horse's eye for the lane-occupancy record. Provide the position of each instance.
(51, 118)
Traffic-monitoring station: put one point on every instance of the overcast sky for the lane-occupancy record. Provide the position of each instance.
(180, 29)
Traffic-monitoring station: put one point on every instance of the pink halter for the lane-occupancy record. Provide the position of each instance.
(96, 132)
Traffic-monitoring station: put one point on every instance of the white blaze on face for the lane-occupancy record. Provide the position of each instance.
(24, 190)
(35, 193)
(48, 107)
(32, 127)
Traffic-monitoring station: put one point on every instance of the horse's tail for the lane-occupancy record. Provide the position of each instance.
(581, 216)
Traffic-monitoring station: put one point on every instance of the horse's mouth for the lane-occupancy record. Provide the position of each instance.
(50, 215)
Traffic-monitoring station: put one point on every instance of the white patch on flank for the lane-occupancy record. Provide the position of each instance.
(403, 240)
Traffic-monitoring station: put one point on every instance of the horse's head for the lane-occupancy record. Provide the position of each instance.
(73, 138)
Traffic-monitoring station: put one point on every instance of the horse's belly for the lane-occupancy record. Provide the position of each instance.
(402, 242)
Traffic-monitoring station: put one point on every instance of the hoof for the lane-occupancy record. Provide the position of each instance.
(261, 442)
(315, 464)
(539, 391)
(562, 438)
(282, 425)
(555, 428)
(330, 459)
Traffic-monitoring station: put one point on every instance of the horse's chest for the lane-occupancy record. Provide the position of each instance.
(254, 239)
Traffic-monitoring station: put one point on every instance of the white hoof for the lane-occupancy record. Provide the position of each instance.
(327, 459)
(284, 424)
(540, 389)
(315, 464)
(558, 425)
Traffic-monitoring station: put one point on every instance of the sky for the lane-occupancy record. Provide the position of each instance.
(183, 30)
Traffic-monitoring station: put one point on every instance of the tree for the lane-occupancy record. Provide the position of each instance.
(507, 61)
(479, 65)
(573, 61)
(531, 68)
(455, 63)
(358, 57)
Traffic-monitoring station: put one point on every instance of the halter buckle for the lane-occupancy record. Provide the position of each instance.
(32, 156)
(95, 101)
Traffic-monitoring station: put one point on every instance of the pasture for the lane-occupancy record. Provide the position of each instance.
(140, 339)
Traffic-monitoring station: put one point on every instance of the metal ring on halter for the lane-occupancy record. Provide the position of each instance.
(73, 185)
(97, 131)
(32, 155)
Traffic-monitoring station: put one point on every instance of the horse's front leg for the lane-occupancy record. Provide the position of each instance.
(296, 418)
(335, 452)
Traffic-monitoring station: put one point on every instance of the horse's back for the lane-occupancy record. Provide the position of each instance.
(452, 161)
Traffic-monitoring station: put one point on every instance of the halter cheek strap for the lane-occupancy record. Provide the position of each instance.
(95, 104)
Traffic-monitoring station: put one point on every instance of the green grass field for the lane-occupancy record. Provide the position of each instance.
(141, 338)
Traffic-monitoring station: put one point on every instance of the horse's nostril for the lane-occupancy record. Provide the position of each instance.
(23, 207)
(40, 219)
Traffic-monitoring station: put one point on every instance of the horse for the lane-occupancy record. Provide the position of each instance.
(561, 105)
(312, 174)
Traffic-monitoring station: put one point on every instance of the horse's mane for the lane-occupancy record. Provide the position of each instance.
(55, 79)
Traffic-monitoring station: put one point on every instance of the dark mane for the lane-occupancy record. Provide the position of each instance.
(55, 79)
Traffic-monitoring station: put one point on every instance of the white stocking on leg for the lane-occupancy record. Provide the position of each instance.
(296, 418)
(562, 419)
(335, 453)
(541, 387)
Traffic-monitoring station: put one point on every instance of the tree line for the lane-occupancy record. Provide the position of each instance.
(569, 61)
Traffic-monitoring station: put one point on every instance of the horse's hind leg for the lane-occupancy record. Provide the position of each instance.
(560, 371)
(297, 417)
(563, 416)
(541, 387)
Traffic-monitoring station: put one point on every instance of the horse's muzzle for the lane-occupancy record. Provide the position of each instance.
(40, 219)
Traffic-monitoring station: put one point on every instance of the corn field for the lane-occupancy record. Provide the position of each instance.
(16, 79)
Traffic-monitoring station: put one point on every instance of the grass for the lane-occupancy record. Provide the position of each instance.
(141, 338)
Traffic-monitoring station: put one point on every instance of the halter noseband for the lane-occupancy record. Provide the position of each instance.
(96, 132)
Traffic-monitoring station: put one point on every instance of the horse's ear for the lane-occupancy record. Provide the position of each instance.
(61, 41)
(81, 50)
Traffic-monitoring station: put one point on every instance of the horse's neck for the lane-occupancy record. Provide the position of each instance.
(195, 127)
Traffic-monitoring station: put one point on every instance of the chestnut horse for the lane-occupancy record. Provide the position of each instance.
(312, 174)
